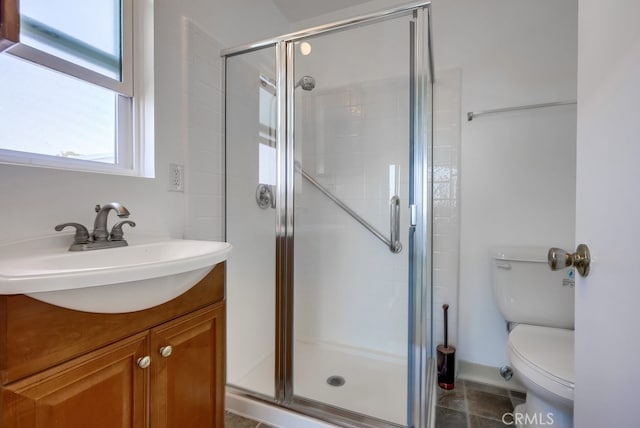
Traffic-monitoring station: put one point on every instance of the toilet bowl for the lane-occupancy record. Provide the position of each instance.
(540, 304)
(543, 360)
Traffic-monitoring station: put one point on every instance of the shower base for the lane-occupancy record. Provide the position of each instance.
(374, 385)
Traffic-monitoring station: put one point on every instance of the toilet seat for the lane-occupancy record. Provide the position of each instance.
(544, 355)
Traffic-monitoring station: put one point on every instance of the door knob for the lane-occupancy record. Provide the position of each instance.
(560, 259)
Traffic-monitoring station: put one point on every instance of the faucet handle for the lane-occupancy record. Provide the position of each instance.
(116, 232)
(82, 234)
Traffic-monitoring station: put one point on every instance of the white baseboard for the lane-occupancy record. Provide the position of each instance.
(486, 374)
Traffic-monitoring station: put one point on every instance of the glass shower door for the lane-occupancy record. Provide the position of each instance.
(351, 219)
(250, 113)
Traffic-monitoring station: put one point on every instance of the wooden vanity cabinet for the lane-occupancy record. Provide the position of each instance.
(9, 23)
(187, 386)
(111, 386)
(103, 389)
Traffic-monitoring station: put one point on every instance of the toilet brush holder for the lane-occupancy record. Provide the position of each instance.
(446, 357)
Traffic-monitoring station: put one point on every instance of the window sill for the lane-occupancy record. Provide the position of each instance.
(67, 164)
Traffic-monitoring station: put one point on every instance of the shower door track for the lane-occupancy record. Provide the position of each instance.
(321, 411)
(420, 379)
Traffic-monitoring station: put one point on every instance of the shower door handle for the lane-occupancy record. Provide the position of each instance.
(394, 215)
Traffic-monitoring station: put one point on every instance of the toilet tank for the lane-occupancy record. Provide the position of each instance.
(528, 291)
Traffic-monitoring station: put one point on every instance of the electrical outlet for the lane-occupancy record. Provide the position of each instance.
(176, 177)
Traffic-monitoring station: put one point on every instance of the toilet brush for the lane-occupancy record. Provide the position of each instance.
(446, 356)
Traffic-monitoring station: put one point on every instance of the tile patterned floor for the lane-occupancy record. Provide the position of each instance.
(468, 405)
(475, 405)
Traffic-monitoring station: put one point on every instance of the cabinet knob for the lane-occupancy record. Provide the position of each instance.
(144, 362)
(166, 351)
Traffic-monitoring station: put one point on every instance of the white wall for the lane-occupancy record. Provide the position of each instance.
(365, 8)
(518, 169)
(201, 132)
(608, 202)
(36, 199)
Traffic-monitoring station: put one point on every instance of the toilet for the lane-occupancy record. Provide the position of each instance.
(538, 305)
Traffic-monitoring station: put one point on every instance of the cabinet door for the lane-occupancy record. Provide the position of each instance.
(103, 389)
(187, 380)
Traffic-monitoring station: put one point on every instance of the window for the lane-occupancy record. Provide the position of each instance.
(267, 110)
(68, 97)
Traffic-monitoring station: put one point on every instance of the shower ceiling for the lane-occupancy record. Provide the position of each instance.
(298, 10)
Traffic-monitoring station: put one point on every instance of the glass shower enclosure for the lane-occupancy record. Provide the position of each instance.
(328, 208)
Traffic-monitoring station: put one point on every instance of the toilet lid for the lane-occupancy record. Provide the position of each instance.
(549, 351)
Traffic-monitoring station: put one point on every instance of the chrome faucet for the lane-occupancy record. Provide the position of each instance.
(100, 232)
(100, 238)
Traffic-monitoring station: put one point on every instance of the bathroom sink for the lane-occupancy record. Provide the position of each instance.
(148, 272)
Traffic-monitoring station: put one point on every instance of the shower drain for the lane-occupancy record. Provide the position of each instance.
(336, 380)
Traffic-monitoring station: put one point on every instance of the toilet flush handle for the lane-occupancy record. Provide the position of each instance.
(560, 259)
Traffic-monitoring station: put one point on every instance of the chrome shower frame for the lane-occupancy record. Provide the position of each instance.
(421, 379)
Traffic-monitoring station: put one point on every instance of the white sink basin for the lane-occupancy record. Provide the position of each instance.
(149, 272)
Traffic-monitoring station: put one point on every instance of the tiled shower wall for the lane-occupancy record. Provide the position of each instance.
(446, 201)
(351, 290)
(204, 171)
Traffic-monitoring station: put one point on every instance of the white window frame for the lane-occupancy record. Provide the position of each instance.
(134, 149)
